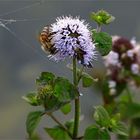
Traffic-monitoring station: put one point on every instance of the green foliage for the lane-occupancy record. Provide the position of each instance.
(101, 116)
(45, 78)
(132, 110)
(109, 123)
(136, 122)
(52, 93)
(120, 87)
(32, 99)
(66, 108)
(103, 42)
(119, 128)
(95, 133)
(64, 90)
(57, 133)
(102, 17)
(136, 78)
(32, 121)
(70, 125)
(87, 80)
(34, 136)
(51, 103)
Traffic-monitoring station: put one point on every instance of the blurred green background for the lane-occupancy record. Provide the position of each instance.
(22, 60)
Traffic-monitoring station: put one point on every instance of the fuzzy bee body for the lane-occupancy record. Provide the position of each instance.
(46, 41)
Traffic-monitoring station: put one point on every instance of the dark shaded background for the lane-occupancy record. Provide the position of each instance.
(22, 60)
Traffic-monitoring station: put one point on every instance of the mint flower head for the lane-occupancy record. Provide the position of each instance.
(122, 64)
(70, 37)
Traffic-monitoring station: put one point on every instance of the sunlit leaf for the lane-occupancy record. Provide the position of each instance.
(66, 108)
(45, 78)
(87, 80)
(70, 125)
(132, 110)
(101, 116)
(55, 92)
(120, 129)
(35, 136)
(57, 133)
(32, 121)
(95, 133)
(32, 99)
(102, 17)
(103, 42)
(64, 90)
(52, 104)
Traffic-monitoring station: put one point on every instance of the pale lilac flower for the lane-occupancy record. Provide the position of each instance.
(135, 68)
(72, 38)
(112, 84)
(115, 37)
(112, 58)
(130, 53)
(121, 63)
(133, 41)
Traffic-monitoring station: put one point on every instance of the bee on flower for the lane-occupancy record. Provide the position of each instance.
(68, 37)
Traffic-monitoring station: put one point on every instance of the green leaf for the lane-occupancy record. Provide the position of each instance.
(91, 133)
(70, 125)
(87, 80)
(136, 122)
(64, 90)
(32, 99)
(34, 136)
(136, 78)
(103, 42)
(52, 104)
(120, 129)
(132, 110)
(45, 78)
(66, 108)
(102, 17)
(104, 135)
(122, 137)
(120, 87)
(48, 99)
(101, 116)
(55, 92)
(115, 119)
(32, 121)
(57, 133)
(95, 133)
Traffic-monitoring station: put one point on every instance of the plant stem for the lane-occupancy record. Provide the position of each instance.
(129, 95)
(76, 118)
(60, 124)
(80, 74)
(98, 28)
(74, 72)
(131, 127)
(77, 102)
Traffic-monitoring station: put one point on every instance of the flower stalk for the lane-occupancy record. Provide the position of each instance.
(77, 102)
(98, 28)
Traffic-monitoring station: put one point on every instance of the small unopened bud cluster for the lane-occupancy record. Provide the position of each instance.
(122, 63)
